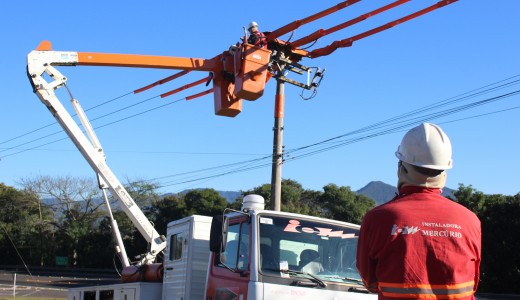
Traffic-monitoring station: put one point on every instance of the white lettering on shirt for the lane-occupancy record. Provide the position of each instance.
(410, 230)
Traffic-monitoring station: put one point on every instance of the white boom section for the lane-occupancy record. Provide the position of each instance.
(40, 62)
(120, 248)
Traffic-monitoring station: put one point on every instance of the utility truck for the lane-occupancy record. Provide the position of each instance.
(250, 254)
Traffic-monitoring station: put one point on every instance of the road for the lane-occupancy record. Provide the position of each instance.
(45, 286)
(48, 286)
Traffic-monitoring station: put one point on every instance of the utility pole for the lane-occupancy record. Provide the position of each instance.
(276, 175)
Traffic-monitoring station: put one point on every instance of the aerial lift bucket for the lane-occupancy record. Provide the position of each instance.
(251, 68)
(226, 104)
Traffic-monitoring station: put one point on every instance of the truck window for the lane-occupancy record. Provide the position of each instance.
(176, 241)
(236, 256)
(290, 251)
(89, 295)
(106, 295)
(321, 248)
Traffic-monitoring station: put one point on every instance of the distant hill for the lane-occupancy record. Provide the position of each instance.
(379, 191)
(382, 192)
(231, 196)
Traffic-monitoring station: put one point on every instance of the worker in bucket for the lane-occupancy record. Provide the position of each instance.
(421, 245)
(256, 37)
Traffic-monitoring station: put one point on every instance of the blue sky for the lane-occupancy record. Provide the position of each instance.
(465, 48)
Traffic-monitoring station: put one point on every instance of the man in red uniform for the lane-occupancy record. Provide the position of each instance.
(421, 245)
(256, 37)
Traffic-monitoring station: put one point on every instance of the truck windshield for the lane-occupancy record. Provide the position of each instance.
(322, 249)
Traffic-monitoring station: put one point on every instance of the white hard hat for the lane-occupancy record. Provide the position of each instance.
(251, 25)
(426, 146)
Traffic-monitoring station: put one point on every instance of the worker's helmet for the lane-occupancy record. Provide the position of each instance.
(251, 25)
(426, 146)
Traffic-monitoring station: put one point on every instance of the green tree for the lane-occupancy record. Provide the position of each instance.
(500, 244)
(472, 199)
(144, 192)
(25, 226)
(310, 199)
(77, 204)
(98, 248)
(340, 203)
(292, 195)
(168, 209)
(498, 214)
(207, 202)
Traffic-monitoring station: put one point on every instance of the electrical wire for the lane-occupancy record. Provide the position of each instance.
(479, 91)
(207, 178)
(199, 180)
(398, 122)
(54, 123)
(457, 98)
(103, 116)
(399, 125)
(139, 114)
(451, 100)
(16, 249)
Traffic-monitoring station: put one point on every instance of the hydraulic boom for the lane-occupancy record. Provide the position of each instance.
(40, 63)
(239, 73)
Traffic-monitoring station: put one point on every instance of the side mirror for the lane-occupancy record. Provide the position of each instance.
(216, 239)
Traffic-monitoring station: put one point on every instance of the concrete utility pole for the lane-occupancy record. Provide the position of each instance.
(276, 175)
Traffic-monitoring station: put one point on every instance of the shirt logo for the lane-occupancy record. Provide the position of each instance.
(405, 230)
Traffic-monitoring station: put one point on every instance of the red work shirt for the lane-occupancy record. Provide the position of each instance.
(258, 39)
(420, 245)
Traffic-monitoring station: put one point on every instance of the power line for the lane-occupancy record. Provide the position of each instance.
(126, 107)
(207, 178)
(399, 125)
(54, 123)
(391, 125)
(113, 122)
(214, 168)
(392, 120)
(473, 93)
(481, 115)
(138, 114)
(16, 249)
(35, 147)
(94, 119)
(398, 122)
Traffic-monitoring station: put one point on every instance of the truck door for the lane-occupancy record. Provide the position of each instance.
(229, 272)
(176, 262)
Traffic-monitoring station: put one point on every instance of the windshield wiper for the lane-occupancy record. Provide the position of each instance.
(349, 279)
(355, 280)
(309, 276)
(358, 289)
